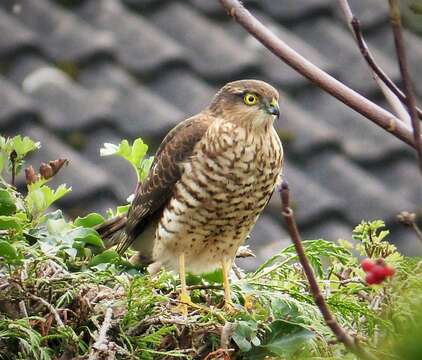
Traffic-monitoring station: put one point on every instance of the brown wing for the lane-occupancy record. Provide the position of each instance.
(158, 187)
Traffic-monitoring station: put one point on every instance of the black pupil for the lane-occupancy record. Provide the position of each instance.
(251, 98)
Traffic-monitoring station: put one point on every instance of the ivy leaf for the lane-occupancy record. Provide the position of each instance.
(134, 154)
(7, 204)
(89, 221)
(245, 334)
(10, 222)
(287, 339)
(23, 145)
(107, 256)
(40, 198)
(8, 251)
(86, 236)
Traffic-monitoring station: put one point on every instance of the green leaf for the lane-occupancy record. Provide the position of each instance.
(134, 154)
(287, 339)
(107, 256)
(8, 251)
(89, 221)
(23, 146)
(40, 198)
(7, 203)
(145, 166)
(57, 226)
(245, 334)
(86, 236)
(10, 222)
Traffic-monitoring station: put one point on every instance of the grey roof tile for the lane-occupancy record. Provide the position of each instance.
(140, 46)
(292, 10)
(331, 230)
(137, 110)
(271, 67)
(16, 108)
(305, 131)
(183, 89)
(209, 7)
(402, 177)
(62, 35)
(366, 197)
(142, 5)
(212, 51)
(311, 200)
(339, 45)
(64, 104)
(371, 13)
(360, 139)
(383, 39)
(14, 36)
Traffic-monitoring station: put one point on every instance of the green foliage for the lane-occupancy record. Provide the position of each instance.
(17, 148)
(40, 197)
(134, 154)
(57, 280)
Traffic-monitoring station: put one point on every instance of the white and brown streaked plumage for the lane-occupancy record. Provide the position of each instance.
(211, 178)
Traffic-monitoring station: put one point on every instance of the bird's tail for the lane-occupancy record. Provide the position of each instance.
(112, 231)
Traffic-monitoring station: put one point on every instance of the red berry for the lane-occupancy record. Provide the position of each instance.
(370, 279)
(380, 262)
(389, 271)
(367, 265)
(379, 273)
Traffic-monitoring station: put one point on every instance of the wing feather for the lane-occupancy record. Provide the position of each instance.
(157, 188)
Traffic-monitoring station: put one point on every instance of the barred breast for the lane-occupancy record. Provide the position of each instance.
(223, 188)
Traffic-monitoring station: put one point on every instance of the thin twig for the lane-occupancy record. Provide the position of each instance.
(371, 62)
(341, 335)
(50, 308)
(13, 157)
(386, 85)
(351, 98)
(409, 219)
(22, 309)
(101, 343)
(395, 20)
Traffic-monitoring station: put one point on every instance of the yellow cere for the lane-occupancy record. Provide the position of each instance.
(250, 99)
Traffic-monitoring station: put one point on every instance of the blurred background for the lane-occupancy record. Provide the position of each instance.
(77, 73)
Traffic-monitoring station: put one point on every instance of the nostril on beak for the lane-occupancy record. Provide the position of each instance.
(274, 109)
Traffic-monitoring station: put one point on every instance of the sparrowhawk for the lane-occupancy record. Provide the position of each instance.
(211, 177)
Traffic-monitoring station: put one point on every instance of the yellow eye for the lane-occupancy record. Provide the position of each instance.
(250, 99)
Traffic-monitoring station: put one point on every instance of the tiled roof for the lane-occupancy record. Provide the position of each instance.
(76, 74)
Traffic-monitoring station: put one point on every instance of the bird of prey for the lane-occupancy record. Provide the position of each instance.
(211, 177)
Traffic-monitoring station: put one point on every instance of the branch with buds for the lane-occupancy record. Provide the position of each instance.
(46, 171)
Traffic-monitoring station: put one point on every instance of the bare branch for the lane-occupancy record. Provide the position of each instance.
(351, 98)
(341, 335)
(101, 343)
(50, 308)
(404, 70)
(382, 79)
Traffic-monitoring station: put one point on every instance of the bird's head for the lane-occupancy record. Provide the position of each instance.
(250, 103)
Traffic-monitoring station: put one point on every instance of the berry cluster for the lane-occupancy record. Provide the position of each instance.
(376, 271)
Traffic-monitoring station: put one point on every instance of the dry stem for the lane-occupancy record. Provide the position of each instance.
(101, 341)
(351, 98)
(50, 308)
(404, 70)
(338, 331)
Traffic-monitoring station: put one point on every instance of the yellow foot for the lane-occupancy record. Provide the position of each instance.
(186, 302)
(229, 308)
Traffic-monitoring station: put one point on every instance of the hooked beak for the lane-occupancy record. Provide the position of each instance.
(273, 108)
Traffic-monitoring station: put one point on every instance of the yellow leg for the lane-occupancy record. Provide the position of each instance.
(225, 266)
(184, 295)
